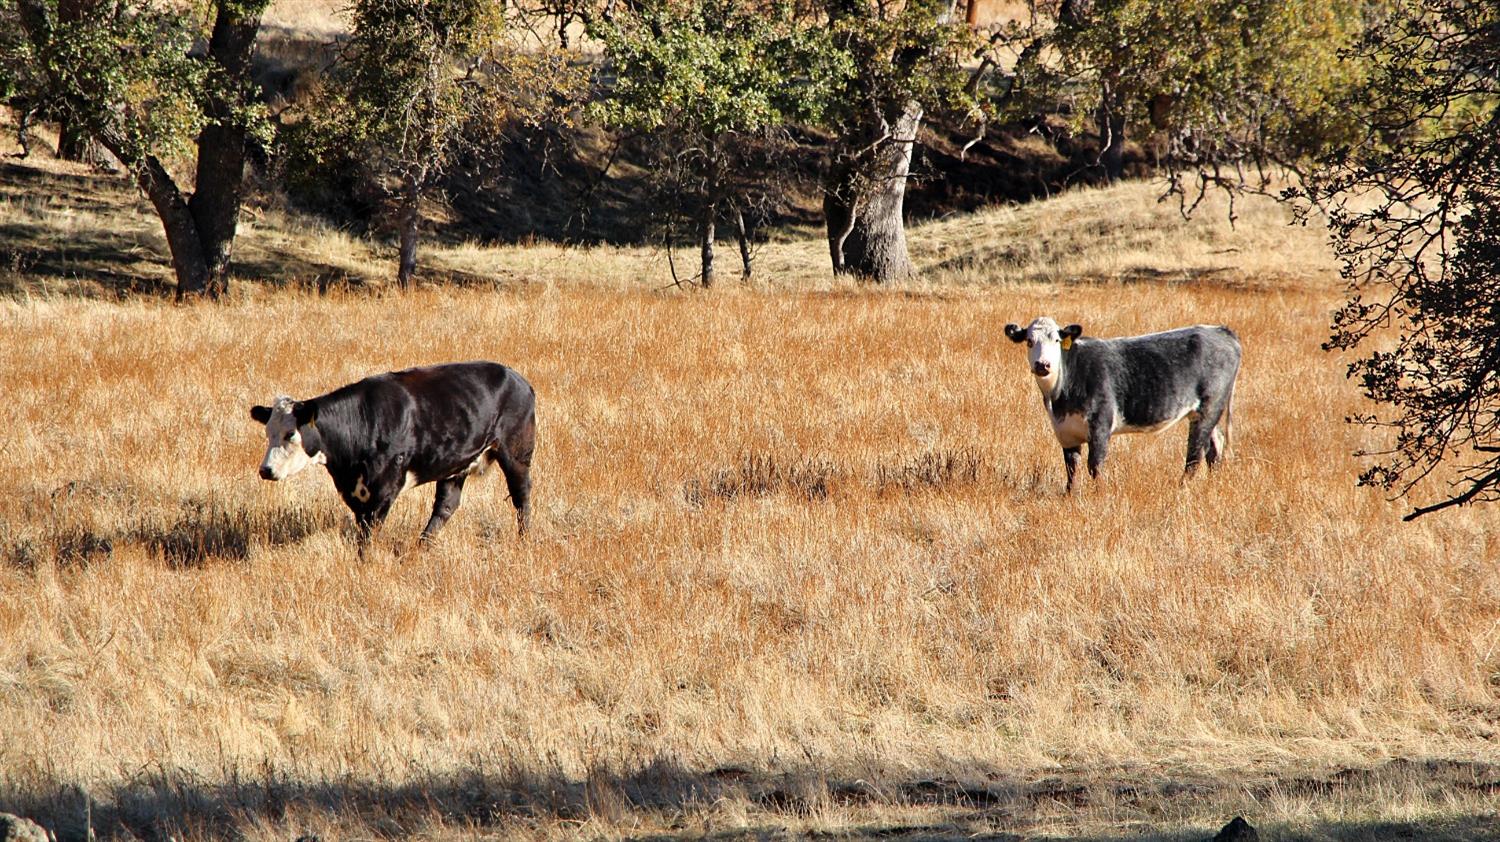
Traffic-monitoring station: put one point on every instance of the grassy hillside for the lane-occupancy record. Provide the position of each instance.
(800, 563)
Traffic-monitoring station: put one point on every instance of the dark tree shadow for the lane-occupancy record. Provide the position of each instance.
(161, 805)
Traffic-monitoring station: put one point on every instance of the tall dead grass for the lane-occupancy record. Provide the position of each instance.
(800, 558)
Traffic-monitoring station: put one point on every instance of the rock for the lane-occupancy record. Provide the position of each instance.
(1237, 830)
(17, 829)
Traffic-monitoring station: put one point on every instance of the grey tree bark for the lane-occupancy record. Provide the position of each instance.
(410, 217)
(743, 235)
(706, 246)
(220, 175)
(863, 206)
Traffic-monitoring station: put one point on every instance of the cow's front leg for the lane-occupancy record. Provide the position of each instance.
(370, 499)
(444, 504)
(1100, 426)
(1070, 461)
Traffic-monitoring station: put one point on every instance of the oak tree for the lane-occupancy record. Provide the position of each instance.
(714, 86)
(136, 82)
(1414, 206)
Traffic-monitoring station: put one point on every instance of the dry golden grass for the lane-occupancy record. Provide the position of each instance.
(319, 18)
(800, 561)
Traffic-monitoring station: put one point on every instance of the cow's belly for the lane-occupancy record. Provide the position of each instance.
(453, 469)
(1159, 422)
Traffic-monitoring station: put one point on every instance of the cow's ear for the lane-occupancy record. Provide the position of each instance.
(261, 414)
(1014, 333)
(1070, 333)
(305, 412)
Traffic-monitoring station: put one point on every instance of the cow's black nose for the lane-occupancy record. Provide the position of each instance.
(1041, 369)
(265, 473)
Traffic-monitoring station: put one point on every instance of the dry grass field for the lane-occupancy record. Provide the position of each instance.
(800, 561)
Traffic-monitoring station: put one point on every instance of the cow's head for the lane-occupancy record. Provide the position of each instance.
(1046, 343)
(292, 438)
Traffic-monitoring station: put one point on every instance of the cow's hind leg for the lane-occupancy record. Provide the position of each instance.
(1203, 438)
(1200, 438)
(514, 457)
(444, 504)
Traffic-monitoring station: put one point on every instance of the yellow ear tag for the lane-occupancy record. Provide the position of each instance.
(1067, 343)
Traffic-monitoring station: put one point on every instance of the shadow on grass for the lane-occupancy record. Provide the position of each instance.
(198, 532)
(122, 251)
(161, 805)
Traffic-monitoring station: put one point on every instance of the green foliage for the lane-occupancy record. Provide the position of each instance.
(132, 72)
(405, 77)
(1230, 81)
(714, 87)
(420, 83)
(711, 68)
(900, 53)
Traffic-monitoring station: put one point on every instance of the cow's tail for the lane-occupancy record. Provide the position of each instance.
(1228, 422)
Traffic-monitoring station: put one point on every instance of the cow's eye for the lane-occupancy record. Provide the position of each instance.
(1030, 343)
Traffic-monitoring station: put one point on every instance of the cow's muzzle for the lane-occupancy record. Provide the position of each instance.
(267, 473)
(1041, 369)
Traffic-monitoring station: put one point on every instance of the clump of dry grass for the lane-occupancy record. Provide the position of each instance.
(762, 474)
(934, 469)
(204, 654)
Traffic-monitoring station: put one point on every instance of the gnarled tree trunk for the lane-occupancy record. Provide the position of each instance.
(863, 205)
(742, 234)
(72, 140)
(410, 216)
(1110, 120)
(72, 137)
(220, 177)
(706, 246)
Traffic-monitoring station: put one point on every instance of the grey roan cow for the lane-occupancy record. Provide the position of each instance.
(393, 431)
(1094, 388)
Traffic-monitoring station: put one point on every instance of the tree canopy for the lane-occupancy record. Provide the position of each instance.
(1226, 83)
(419, 84)
(1414, 206)
(717, 84)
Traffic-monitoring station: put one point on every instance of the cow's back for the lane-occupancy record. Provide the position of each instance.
(455, 412)
(1153, 376)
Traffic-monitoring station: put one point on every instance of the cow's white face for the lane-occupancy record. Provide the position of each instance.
(1045, 344)
(285, 451)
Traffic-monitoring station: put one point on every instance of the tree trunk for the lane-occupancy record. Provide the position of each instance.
(411, 214)
(866, 229)
(221, 149)
(72, 137)
(1110, 119)
(839, 213)
(72, 140)
(743, 236)
(189, 263)
(706, 246)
